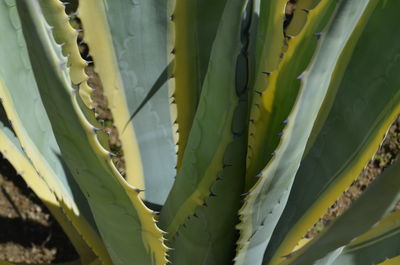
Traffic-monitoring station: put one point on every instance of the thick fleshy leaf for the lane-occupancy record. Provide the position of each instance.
(65, 35)
(130, 62)
(267, 58)
(265, 203)
(266, 199)
(376, 202)
(378, 244)
(191, 35)
(299, 18)
(208, 230)
(32, 127)
(276, 82)
(12, 151)
(130, 235)
(359, 111)
(211, 154)
(392, 261)
(22, 102)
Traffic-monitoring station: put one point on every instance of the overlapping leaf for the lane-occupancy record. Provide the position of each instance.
(128, 42)
(107, 193)
(358, 113)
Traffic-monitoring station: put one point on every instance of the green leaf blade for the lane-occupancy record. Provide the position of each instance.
(373, 204)
(207, 155)
(107, 192)
(363, 106)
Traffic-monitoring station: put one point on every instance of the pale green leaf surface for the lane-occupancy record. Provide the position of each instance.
(191, 35)
(28, 115)
(268, 44)
(378, 244)
(276, 92)
(300, 16)
(209, 236)
(364, 104)
(139, 35)
(24, 108)
(131, 236)
(92, 14)
(267, 199)
(375, 203)
(83, 240)
(211, 153)
(329, 258)
(210, 231)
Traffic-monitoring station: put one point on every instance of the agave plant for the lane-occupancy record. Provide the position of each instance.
(240, 125)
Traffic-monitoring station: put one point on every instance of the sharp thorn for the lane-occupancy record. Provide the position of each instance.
(111, 154)
(318, 35)
(138, 190)
(301, 76)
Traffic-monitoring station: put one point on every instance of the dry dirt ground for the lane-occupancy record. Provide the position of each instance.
(28, 232)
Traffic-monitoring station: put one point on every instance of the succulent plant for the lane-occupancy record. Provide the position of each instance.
(240, 125)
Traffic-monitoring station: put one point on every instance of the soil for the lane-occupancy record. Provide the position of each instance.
(28, 231)
(104, 115)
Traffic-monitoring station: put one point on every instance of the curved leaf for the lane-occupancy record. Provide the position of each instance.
(364, 104)
(191, 35)
(131, 235)
(268, 47)
(211, 153)
(22, 102)
(361, 216)
(208, 230)
(378, 244)
(267, 198)
(11, 150)
(276, 87)
(130, 62)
